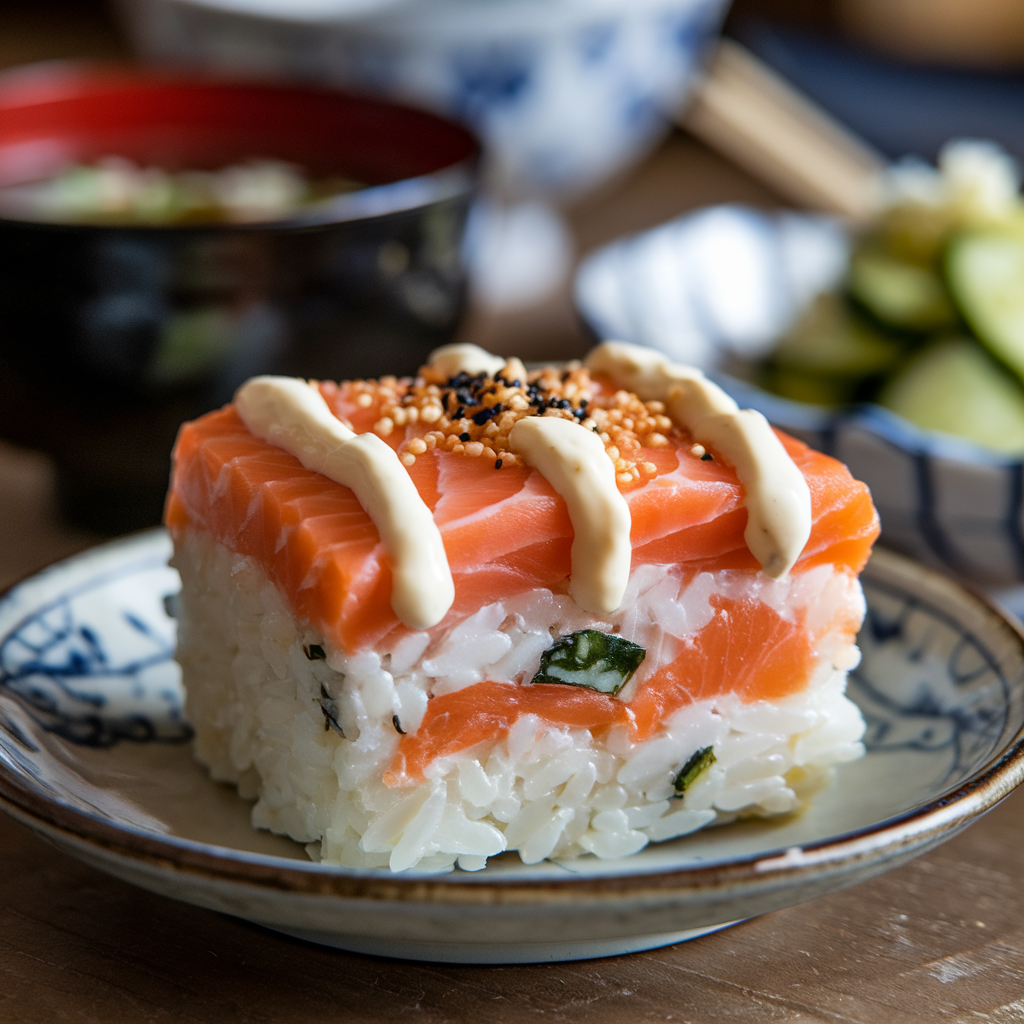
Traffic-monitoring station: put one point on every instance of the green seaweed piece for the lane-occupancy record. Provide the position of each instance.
(699, 762)
(590, 658)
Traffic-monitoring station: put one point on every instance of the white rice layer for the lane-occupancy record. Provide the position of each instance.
(311, 739)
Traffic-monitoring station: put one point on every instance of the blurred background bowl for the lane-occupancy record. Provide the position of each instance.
(112, 335)
(566, 94)
(719, 287)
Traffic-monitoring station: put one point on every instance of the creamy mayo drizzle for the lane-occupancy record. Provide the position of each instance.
(573, 460)
(452, 360)
(777, 498)
(293, 415)
(465, 358)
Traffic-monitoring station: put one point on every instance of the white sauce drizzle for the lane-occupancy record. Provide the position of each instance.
(573, 460)
(778, 500)
(463, 357)
(452, 360)
(292, 414)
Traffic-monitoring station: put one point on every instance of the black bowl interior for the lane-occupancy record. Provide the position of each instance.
(52, 115)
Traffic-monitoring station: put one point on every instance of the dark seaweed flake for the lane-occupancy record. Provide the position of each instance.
(330, 710)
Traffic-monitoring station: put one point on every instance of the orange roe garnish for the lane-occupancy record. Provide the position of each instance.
(473, 416)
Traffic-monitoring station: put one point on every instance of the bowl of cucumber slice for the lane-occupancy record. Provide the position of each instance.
(899, 349)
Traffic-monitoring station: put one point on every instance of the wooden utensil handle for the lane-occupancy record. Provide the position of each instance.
(748, 113)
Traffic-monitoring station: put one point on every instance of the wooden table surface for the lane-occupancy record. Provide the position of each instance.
(941, 939)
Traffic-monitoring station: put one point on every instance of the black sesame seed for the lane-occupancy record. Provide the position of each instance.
(397, 724)
(497, 463)
(459, 413)
(314, 652)
(481, 417)
(583, 403)
(706, 457)
(464, 437)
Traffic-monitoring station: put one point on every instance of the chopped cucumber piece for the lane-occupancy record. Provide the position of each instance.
(830, 340)
(697, 764)
(956, 387)
(599, 661)
(985, 270)
(903, 295)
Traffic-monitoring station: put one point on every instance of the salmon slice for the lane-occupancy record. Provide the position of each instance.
(747, 649)
(486, 711)
(505, 531)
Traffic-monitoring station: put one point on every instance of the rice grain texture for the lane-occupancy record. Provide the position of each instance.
(312, 738)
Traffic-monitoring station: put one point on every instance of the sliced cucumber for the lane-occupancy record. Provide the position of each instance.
(830, 340)
(956, 387)
(985, 271)
(903, 295)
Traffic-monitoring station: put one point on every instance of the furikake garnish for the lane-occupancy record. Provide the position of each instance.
(599, 661)
(698, 763)
(314, 652)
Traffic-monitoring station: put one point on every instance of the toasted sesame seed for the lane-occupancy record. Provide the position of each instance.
(698, 450)
(472, 416)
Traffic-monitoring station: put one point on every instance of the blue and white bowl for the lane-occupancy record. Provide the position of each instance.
(726, 282)
(565, 93)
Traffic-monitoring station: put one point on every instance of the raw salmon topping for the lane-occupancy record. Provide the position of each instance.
(504, 532)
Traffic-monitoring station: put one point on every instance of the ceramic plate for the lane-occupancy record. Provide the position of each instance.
(95, 756)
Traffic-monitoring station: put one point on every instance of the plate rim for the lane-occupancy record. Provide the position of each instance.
(898, 836)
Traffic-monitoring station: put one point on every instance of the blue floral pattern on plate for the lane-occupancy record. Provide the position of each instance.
(94, 665)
